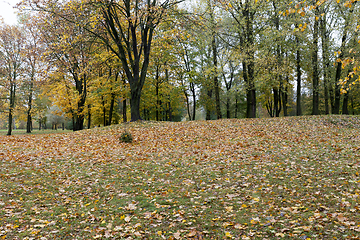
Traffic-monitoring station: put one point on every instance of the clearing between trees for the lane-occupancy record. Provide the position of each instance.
(294, 177)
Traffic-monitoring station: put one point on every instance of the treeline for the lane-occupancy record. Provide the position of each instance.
(103, 62)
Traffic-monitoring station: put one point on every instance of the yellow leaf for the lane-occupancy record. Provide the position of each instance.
(226, 224)
(227, 234)
(159, 233)
(229, 209)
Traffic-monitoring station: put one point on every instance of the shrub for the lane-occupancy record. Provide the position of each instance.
(126, 137)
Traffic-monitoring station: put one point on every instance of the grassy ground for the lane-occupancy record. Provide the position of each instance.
(283, 178)
(35, 131)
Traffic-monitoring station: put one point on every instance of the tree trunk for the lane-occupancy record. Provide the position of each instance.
(216, 79)
(325, 58)
(337, 88)
(208, 109)
(277, 103)
(236, 105)
(228, 107)
(104, 110)
(249, 44)
(135, 104)
(298, 78)
(89, 117)
(112, 103)
(285, 97)
(11, 107)
(194, 100)
(345, 109)
(157, 98)
(315, 109)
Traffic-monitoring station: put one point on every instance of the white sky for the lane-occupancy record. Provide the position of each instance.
(7, 12)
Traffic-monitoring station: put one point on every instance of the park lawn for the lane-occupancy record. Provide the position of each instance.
(280, 178)
(34, 131)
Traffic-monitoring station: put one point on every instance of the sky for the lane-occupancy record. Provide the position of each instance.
(7, 11)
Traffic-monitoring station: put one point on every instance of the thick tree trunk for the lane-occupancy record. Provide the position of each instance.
(315, 77)
(135, 104)
(124, 107)
(249, 43)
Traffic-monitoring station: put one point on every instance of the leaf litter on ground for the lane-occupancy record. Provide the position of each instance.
(294, 178)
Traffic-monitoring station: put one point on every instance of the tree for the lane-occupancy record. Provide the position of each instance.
(32, 62)
(69, 48)
(11, 47)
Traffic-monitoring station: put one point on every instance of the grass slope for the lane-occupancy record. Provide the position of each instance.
(295, 177)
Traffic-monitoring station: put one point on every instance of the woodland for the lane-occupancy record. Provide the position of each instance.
(96, 63)
(288, 169)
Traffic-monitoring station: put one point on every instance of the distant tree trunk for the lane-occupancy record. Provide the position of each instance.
(228, 107)
(11, 107)
(216, 79)
(345, 109)
(89, 117)
(103, 110)
(336, 109)
(325, 59)
(338, 74)
(29, 119)
(277, 102)
(112, 103)
(270, 108)
(236, 105)
(192, 87)
(81, 87)
(170, 111)
(285, 97)
(157, 94)
(315, 109)
(207, 108)
(298, 78)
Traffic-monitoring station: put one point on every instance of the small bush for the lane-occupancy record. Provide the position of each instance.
(126, 137)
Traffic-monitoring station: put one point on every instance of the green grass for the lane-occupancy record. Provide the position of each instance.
(34, 131)
(284, 178)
